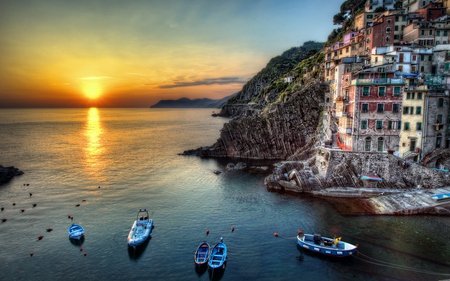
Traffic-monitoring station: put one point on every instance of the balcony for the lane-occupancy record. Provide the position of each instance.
(378, 81)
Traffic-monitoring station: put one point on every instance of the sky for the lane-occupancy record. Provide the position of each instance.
(114, 53)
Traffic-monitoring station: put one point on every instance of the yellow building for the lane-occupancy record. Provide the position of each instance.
(413, 122)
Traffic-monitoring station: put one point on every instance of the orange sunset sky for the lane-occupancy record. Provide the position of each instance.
(57, 53)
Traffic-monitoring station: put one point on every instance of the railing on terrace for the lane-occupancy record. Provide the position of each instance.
(394, 81)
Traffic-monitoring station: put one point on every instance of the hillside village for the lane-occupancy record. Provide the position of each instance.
(389, 82)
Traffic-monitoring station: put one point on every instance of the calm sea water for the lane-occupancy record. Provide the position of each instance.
(114, 161)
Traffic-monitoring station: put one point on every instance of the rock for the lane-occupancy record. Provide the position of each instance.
(7, 173)
(234, 167)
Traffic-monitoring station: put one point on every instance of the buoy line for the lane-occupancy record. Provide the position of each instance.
(396, 266)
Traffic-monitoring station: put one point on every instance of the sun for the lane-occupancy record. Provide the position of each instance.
(92, 90)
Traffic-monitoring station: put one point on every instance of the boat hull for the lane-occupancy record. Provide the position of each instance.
(76, 232)
(218, 256)
(201, 255)
(139, 232)
(326, 246)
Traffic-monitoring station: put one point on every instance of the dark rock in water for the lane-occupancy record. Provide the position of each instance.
(7, 173)
(234, 167)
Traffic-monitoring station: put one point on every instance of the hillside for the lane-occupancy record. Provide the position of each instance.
(188, 103)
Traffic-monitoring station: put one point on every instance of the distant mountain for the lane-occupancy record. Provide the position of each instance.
(188, 103)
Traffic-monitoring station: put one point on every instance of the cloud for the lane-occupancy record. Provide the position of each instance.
(208, 81)
(91, 78)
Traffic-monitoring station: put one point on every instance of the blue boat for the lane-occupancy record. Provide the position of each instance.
(218, 256)
(439, 197)
(141, 229)
(326, 246)
(201, 255)
(76, 231)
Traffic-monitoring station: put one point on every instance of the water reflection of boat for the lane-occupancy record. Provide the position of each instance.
(326, 246)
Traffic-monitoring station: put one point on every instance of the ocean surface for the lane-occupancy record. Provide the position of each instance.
(113, 162)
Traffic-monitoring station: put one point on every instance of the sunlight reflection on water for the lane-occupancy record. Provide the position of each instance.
(94, 148)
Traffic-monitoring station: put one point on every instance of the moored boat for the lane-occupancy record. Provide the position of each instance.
(326, 246)
(141, 229)
(440, 197)
(218, 256)
(202, 254)
(76, 231)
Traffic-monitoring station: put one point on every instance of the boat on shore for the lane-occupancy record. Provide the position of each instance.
(76, 231)
(440, 197)
(141, 229)
(201, 255)
(218, 256)
(326, 246)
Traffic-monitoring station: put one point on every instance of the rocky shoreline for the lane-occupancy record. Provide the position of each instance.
(7, 173)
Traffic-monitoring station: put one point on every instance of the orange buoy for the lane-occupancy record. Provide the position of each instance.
(14, 204)
(275, 234)
(3, 208)
(3, 220)
(84, 254)
(31, 254)
(22, 210)
(81, 249)
(207, 232)
(71, 217)
(77, 205)
(84, 200)
(31, 194)
(34, 205)
(232, 228)
(49, 229)
(40, 237)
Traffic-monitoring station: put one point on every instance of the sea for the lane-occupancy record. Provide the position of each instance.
(97, 167)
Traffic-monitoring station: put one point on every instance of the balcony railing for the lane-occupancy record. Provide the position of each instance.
(378, 81)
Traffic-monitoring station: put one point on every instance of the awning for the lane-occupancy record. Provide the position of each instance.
(371, 178)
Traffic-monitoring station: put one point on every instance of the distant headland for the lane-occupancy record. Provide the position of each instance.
(196, 103)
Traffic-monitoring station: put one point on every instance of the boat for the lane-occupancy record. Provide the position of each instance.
(218, 256)
(327, 246)
(141, 229)
(76, 231)
(202, 254)
(440, 197)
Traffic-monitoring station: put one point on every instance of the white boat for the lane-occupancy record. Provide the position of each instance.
(76, 231)
(326, 246)
(141, 229)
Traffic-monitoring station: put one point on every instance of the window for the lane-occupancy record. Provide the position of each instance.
(380, 107)
(396, 28)
(381, 91)
(413, 96)
(439, 119)
(418, 110)
(414, 57)
(365, 107)
(387, 38)
(405, 109)
(411, 110)
(430, 32)
(406, 126)
(395, 108)
(366, 91)
(438, 33)
(399, 125)
(392, 125)
(363, 124)
(408, 96)
(397, 91)
(400, 68)
(388, 30)
(422, 32)
(438, 140)
(422, 57)
(380, 144)
(441, 102)
(422, 68)
(368, 144)
(419, 96)
(419, 126)
(379, 125)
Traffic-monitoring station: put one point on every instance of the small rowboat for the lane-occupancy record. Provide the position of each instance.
(202, 254)
(218, 256)
(141, 229)
(76, 231)
(440, 197)
(326, 246)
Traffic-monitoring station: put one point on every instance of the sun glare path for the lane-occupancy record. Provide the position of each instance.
(94, 148)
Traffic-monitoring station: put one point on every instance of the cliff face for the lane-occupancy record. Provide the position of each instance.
(274, 132)
(277, 68)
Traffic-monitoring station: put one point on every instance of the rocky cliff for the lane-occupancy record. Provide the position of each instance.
(276, 131)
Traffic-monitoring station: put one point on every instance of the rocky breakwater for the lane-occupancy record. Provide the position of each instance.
(7, 173)
(279, 130)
